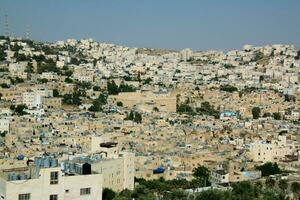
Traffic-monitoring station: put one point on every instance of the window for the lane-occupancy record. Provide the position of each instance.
(24, 196)
(85, 191)
(67, 191)
(53, 197)
(53, 178)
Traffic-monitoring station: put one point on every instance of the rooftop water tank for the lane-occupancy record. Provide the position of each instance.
(22, 177)
(78, 169)
(46, 162)
(159, 170)
(20, 157)
(86, 169)
(38, 162)
(53, 162)
(13, 177)
(72, 167)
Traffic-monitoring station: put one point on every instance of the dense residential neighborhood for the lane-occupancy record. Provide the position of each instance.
(81, 117)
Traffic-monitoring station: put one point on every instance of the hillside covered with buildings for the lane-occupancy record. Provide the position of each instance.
(80, 117)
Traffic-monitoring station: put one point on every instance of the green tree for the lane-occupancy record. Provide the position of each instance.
(201, 173)
(19, 109)
(277, 116)
(126, 88)
(55, 93)
(112, 88)
(270, 183)
(72, 99)
(68, 80)
(48, 66)
(29, 68)
(228, 88)
(256, 112)
(244, 191)
(207, 109)
(138, 118)
(4, 85)
(108, 194)
(175, 195)
(119, 103)
(131, 115)
(283, 185)
(142, 193)
(212, 195)
(295, 188)
(43, 80)
(96, 88)
(185, 108)
(269, 168)
(289, 98)
(98, 103)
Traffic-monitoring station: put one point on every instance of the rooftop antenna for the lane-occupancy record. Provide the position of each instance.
(6, 27)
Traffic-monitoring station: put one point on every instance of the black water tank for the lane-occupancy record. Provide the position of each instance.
(86, 169)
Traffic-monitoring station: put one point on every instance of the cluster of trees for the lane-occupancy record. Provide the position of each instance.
(16, 80)
(229, 66)
(228, 88)
(185, 109)
(258, 56)
(173, 190)
(4, 85)
(96, 88)
(66, 71)
(207, 109)
(114, 89)
(269, 168)
(21, 57)
(56, 93)
(275, 115)
(72, 99)
(289, 98)
(19, 109)
(42, 80)
(98, 103)
(47, 66)
(247, 90)
(134, 116)
(2, 53)
(256, 112)
(147, 81)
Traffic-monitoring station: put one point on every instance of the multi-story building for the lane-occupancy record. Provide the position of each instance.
(4, 125)
(263, 151)
(116, 167)
(231, 172)
(45, 180)
(32, 99)
(52, 103)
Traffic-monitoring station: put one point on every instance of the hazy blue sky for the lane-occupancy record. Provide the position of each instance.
(173, 24)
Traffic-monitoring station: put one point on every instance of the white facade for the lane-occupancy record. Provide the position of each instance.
(4, 125)
(41, 187)
(32, 99)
